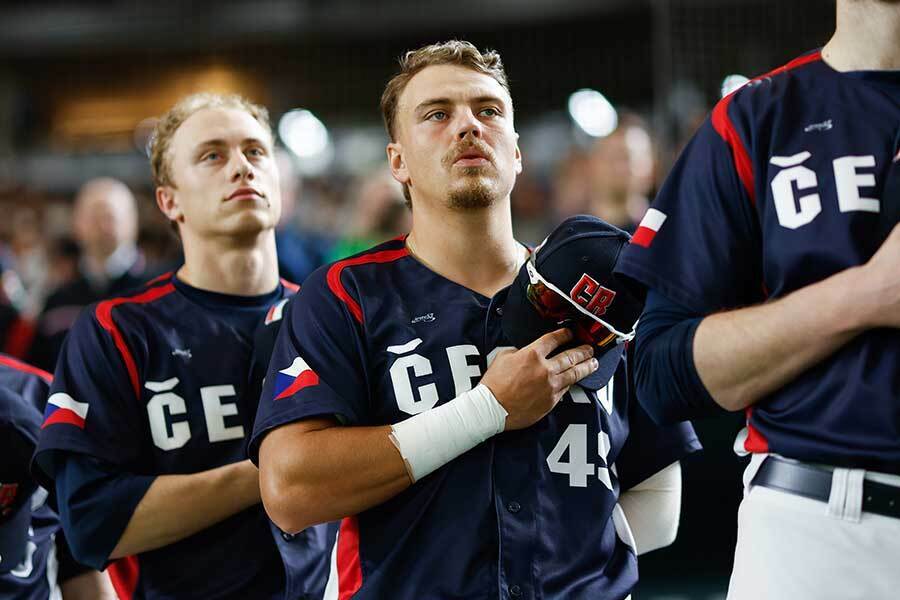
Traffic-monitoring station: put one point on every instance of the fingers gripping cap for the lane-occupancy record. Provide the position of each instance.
(572, 270)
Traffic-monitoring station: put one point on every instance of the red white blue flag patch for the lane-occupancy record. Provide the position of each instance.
(648, 228)
(62, 408)
(293, 379)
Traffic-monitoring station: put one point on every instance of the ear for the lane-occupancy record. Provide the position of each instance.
(396, 162)
(168, 203)
(518, 156)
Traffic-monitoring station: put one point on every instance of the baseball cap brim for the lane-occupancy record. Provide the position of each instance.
(522, 324)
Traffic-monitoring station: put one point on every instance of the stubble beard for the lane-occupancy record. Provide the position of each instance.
(474, 194)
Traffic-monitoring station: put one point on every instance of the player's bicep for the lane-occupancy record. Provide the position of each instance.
(316, 370)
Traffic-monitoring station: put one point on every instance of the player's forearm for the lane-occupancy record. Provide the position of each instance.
(745, 354)
(311, 476)
(90, 585)
(178, 506)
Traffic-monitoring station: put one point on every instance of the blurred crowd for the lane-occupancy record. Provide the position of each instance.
(59, 253)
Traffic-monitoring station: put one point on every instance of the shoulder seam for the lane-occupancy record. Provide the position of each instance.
(24, 367)
(333, 277)
(103, 314)
(724, 126)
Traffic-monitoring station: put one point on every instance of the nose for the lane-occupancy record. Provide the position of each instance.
(469, 125)
(241, 168)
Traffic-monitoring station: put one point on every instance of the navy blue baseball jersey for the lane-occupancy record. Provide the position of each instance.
(28, 527)
(162, 382)
(377, 338)
(782, 187)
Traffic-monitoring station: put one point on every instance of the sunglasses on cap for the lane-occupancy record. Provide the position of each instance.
(554, 305)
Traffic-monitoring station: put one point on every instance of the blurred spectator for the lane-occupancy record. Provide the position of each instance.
(27, 258)
(571, 185)
(300, 251)
(529, 210)
(63, 257)
(377, 213)
(105, 225)
(621, 175)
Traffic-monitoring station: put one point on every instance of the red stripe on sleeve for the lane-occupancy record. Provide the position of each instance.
(643, 236)
(334, 275)
(18, 365)
(724, 126)
(64, 415)
(348, 566)
(104, 316)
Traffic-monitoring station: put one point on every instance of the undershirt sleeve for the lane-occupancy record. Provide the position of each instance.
(668, 385)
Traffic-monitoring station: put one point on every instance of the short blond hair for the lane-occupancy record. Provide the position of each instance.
(453, 52)
(170, 122)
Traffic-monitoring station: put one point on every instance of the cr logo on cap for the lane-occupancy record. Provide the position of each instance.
(592, 296)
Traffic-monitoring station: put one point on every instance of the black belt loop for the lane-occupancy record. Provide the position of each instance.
(814, 482)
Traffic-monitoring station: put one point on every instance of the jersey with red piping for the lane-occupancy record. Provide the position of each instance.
(27, 524)
(379, 337)
(784, 186)
(161, 382)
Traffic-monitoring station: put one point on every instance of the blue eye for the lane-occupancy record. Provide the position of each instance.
(211, 156)
(437, 115)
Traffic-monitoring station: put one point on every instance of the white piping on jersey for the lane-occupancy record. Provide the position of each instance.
(790, 161)
(404, 348)
(161, 386)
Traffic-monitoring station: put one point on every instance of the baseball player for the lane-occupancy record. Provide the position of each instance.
(395, 403)
(155, 392)
(772, 290)
(35, 563)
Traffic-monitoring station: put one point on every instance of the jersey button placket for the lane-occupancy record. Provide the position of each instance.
(513, 507)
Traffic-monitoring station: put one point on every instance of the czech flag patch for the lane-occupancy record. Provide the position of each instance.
(293, 379)
(63, 408)
(648, 228)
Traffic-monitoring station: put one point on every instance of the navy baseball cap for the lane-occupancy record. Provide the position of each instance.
(568, 281)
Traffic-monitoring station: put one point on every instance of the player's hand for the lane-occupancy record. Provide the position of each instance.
(528, 384)
(880, 292)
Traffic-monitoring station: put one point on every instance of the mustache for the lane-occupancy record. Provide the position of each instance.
(465, 147)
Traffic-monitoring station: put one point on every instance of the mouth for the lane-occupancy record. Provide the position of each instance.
(471, 159)
(246, 193)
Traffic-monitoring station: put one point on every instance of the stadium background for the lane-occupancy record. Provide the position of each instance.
(81, 81)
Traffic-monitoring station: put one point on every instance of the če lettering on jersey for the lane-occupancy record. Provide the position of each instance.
(784, 185)
(379, 337)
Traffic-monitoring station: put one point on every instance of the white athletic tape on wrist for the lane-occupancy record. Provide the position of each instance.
(433, 438)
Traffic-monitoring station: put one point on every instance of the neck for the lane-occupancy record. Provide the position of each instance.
(866, 38)
(246, 268)
(474, 248)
